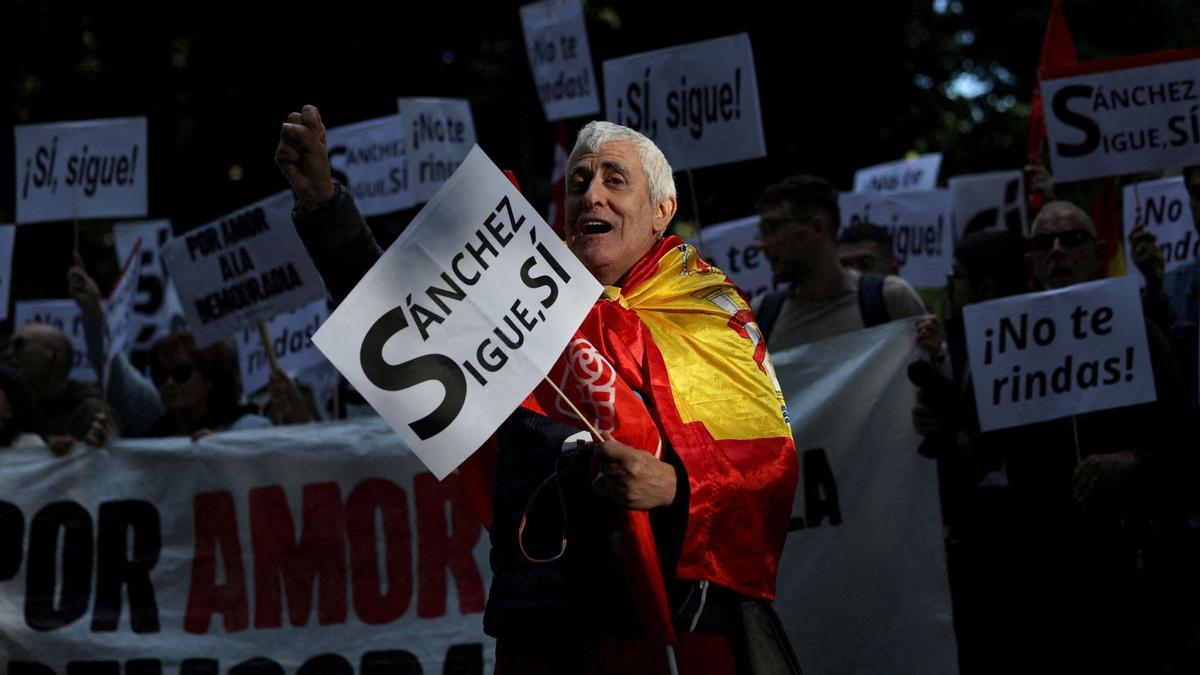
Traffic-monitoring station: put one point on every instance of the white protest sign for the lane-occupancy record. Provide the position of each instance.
(371, 159)
(8, 237)
(1044, 356)
(733, 247)
(302, 549)
(63, 315)
(118, 307)
(89, 169)
(698, 102)
(919, 222)
(1164, 207)
(919, 173)
(440, 134)
(1123, 116)
(461, 318)
(988, 201)
(247, 266)
(157, 305)
(557, 43)
(290, 335)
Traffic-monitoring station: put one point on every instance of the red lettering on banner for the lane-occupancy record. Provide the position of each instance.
(372, 603)
(439, 549)
(319, 558)
(216, 526)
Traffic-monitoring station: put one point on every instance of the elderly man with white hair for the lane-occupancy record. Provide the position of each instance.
(690, 367)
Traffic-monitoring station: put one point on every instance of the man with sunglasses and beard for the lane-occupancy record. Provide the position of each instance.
(1098, 502)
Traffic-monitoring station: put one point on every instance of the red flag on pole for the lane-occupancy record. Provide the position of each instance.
(1058, 49)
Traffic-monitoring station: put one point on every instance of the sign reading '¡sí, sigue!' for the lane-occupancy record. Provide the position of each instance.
(698, 102)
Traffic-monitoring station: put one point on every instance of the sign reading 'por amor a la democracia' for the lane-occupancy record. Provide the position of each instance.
(88, 169)
(1048, 355)
(557, 44)
(698, 102)
(247, 266)
(1123, 116)
(461, 317)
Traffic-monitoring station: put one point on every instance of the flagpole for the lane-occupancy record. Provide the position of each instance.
(586, 423)
(695, 208)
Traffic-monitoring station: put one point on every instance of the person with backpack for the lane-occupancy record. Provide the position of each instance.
(799, 219)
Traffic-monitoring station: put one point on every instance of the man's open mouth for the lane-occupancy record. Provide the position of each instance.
(595, 227)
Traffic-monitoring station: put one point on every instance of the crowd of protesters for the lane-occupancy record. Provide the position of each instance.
(1072, 544)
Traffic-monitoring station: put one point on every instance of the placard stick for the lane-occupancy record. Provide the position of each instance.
(266, 340)
(1075, 430)
(595, 434)
(76, 244)
(695, 208)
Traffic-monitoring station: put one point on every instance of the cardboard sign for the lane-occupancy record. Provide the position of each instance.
(291, 335)
(8, 237)
(311, 548)
(733, 247)
(156, 311)
(440, 134)
(118, 307)
(247, 266)
(698, 102)
(63, 315)
(557, 43)
(989, 201)
(1165, 208)
(1123, 116)
(919, 222)
(920, 173)
(371, 159)
(1043, 356)
(461, 317)
(90, 169)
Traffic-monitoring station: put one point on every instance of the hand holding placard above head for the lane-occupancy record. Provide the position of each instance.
(302, 158)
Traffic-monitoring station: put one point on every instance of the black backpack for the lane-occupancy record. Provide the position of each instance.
(870, 304)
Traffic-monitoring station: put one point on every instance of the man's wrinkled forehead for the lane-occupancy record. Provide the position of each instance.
(1061, 220)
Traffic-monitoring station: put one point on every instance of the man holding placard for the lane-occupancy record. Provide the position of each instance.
(669, 341)
(1085, 410)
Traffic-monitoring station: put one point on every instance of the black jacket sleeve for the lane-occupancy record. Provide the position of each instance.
(338, 241)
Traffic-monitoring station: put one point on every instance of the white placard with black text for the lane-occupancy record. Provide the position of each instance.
(698, 102)
(88, 169)
(1049, 355)
(441, 132)
(371, 159)
(919, 222)
(1124, 121)
(989, 201)
(118, 307)
(290, 335)
(157, 306)
(1164, 207)
(919, 173)
(557, 44)
(63, 315)
(733, 247)
(461, 317)
(247, 266)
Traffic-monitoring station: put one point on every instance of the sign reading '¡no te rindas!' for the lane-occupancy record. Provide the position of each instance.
(461, 318)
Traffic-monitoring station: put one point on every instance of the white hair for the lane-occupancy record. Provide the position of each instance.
(658, 172)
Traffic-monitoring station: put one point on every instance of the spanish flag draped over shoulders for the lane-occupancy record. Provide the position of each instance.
(690, 366)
